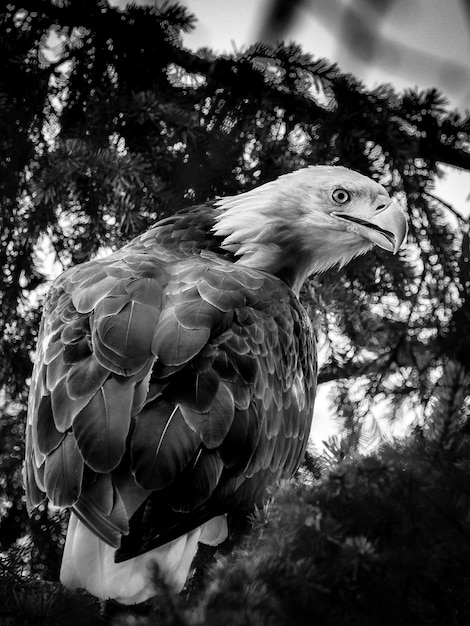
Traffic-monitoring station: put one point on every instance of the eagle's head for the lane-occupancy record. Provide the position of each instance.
(308, 221)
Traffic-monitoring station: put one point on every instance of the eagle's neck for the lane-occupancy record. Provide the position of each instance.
(247, 237)
(262, 232)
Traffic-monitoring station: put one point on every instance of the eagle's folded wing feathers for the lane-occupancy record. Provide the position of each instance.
(163, 391)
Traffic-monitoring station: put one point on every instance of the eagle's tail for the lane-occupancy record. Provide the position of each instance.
(88, 562)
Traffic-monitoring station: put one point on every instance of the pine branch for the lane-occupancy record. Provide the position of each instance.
(355, 368)
(452, 156)
(446, 205)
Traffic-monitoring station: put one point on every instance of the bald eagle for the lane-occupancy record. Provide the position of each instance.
(174, 380)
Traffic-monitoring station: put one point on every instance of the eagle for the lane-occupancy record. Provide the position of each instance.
(174, 380)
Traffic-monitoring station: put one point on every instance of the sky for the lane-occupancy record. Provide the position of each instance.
(418, 43)
(433, 36)
(421, 43)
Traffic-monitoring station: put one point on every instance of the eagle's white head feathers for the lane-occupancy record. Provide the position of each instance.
(308, 221)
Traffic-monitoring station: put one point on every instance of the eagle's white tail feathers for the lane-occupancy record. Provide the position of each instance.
(88, 562)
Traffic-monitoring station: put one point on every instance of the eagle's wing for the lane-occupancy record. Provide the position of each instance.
(166, 392)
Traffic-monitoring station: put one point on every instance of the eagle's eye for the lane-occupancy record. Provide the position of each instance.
(341, 196)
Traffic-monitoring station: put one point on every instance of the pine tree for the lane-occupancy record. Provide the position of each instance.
(108, 124)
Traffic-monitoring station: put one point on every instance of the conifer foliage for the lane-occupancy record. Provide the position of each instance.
(108, 123)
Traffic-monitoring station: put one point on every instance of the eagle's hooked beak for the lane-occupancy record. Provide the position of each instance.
(386, 226)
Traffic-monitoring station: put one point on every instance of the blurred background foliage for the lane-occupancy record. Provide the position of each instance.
(108, 123)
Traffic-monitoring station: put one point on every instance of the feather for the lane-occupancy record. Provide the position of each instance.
(241, 440)
(222, 299)
(250, 279)
(197, 484)
(242, 394)
(214, 426)
(281, 451)
(109, 524)
(112, 305)
(118, 514)
(55, 371)
(196, 314)
(75, 331)
(122, 367)
(77, 351)
(195, 390)
(100, 492)
(102, 426)
(85, 275)
(34, 496)
(119, 270)
(215, 531)
(175, 345)
(48, 436)
(38, 457)
(52, 347)
(65, 408)
(87, 297)
(162, 445)
(142, 391)
(238, 345)
(122, 335)
(245, 364)
(223, 280)
(273, 425)
(63, 473)
(128, 335)
(145, 291)
(224, 367)
(131, 493)
(85, 377)
(39, 466)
